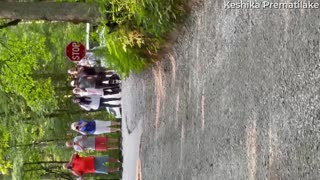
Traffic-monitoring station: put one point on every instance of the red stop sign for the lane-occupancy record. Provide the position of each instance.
(75, 51)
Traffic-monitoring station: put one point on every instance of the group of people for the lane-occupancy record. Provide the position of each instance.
(95, 88)
(78, 165)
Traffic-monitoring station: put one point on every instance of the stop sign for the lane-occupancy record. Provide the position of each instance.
(75, 51)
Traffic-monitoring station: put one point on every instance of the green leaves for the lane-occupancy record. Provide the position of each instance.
(20, 57)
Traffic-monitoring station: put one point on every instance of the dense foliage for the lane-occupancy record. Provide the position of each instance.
(138, 30)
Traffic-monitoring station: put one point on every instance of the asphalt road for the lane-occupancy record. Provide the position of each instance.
(238, 98)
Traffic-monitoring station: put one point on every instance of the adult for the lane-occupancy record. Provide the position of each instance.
(98, 92)
(79, 166)
(95, 82)
(96, 102)
(93, 143)
(92, 72)
(86, 127)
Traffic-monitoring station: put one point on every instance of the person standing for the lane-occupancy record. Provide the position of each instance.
(96, 102)
(79, 166)
(98, 92)
(93, 143)
(95, 127)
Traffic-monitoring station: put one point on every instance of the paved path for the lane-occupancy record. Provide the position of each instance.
(238, 98)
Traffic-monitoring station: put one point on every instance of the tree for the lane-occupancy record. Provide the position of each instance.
(18, 59)
(50, 11)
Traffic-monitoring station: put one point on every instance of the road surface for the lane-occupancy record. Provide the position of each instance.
(237, 98)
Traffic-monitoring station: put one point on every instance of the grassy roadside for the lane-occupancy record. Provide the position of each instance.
(137, 31)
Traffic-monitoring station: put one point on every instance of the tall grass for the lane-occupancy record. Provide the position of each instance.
(141, 30)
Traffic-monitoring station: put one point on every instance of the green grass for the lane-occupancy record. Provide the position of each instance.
(143, 26)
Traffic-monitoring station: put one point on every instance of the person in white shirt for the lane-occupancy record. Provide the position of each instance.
(92, 143)
(95, 102)
(98, 92)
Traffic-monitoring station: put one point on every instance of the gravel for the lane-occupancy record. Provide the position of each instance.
(237, 98)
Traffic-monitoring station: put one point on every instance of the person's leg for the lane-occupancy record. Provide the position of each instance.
(102, 105)
(113, 160)
(113, 96)
(113, 140)
(113, 143)
(110, 99)
(115, 129)
(115, 77)
(113, 169)
(111, 91)
(113, 105)
(115, 123)
(113, 147)
(101, 85)
(112, 80)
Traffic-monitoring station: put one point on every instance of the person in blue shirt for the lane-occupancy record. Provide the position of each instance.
(95, 127)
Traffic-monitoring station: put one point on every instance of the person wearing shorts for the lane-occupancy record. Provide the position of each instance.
(93, 143)
(95, 127)
(79, 166)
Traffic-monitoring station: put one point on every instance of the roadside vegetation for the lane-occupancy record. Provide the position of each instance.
(137, 30)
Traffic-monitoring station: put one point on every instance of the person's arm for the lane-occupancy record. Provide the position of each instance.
(85, 107)
(83, 133)
(78, 128)
(82, 148)
(72, 157)
(84, 137)
(80, 178)
(83, 123)
(79, 148)
(76, 173)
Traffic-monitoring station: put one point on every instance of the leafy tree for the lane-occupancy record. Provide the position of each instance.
(18, 59)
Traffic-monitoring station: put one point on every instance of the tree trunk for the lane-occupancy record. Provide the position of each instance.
(50, 11)
(41, 142)
(11, 23)
(46, 162)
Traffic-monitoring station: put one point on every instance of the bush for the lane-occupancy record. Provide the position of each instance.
(137, 31)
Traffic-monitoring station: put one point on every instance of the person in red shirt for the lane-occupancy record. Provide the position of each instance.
(79, 166)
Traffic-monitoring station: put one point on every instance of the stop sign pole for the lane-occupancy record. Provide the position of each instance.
(75, 51)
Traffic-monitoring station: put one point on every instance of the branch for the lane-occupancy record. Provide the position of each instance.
(46, 162)
(13, 71)
(11, 23)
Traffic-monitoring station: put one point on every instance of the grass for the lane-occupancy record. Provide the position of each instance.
(137, 31)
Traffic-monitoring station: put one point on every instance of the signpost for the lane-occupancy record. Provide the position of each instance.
(75, 51)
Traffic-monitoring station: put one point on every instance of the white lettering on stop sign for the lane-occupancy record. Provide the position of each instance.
(75, 51)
